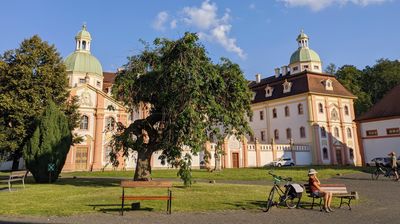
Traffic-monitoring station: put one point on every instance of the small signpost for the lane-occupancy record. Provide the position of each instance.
(50, 168)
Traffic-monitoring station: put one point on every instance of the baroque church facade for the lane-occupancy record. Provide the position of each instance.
(299, 112)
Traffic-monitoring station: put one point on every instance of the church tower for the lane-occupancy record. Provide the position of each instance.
(82, 66)
(304, 58)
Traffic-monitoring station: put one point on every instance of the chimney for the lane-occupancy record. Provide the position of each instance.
(277, 72)
(258, 78)
(284, 70)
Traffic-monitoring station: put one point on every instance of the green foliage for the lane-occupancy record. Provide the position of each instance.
(185, 170)
(49, 143)
(30, 76)
(189, 97)
(331, 69)
(371, 83)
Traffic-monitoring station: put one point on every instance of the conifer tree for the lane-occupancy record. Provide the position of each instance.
(49, 144)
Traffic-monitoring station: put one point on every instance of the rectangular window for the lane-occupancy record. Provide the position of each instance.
(98, 83)
(393, 131)
(372, 132)
(295, 68)
(82, 80)
(305, 66)
(261, 115)
(251, 118)
(262, 136)
(316, 67)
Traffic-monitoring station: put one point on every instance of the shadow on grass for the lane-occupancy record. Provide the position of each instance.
(116, 208)
(18, 222)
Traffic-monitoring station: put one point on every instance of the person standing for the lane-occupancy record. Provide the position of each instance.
(393, 164)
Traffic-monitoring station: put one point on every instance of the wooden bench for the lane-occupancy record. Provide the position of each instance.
(147, 184)
(16, 176)
(337, 190)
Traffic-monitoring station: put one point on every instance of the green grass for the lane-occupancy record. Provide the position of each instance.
(69, 196)
(78, 196)
(242, 174)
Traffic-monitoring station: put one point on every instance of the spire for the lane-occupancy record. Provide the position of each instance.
(302, 39)
(83, 39)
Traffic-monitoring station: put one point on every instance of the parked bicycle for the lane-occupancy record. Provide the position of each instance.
(382, 171)
(287, 196)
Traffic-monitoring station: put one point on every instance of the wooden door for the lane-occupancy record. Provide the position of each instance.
(81, 158)
(339, 158)
(235, 160)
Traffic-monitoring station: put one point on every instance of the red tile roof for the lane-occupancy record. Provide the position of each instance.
(388, 106)
(303, 82)
(108, 80)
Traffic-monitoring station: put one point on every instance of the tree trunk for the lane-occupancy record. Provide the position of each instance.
(143, 166)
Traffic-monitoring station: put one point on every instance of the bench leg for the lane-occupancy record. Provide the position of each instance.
(341, 202)
(23, 182)
(312, 204)
(122, 205)
(320, 204)
(170, 202)
(9, 185)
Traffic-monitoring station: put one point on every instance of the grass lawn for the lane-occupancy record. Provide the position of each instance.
(70, 196)
(297, 173)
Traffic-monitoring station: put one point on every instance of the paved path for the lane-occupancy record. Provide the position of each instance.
(380, 203)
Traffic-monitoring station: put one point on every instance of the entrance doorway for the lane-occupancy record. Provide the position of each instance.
(81, 158)
(339, 158)
(235, 160)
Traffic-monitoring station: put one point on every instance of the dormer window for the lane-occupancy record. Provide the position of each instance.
(328, 84)
(287, 86)
(98, 83)
(268, 91)
(305, 66)
(295, 68)
(254, 95)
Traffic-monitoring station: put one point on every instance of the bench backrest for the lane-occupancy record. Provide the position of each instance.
(334, 188)
(18, 174)
(150, 184)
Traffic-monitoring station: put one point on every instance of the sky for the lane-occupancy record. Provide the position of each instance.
(259, 35)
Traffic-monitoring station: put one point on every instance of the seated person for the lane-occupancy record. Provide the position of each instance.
(315, 186)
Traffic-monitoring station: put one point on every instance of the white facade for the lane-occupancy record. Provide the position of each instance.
(377, 141)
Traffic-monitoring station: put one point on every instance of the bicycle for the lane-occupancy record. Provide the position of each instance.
(286, 196)
(381, 170)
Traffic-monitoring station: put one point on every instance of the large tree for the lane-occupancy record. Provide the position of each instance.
(30, 76)
(48, 145)
(371, 83)
(190, 98)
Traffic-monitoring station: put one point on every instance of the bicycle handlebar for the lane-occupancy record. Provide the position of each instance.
(279, 177)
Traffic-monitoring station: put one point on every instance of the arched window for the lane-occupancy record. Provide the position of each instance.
(349, 133)
(288, 133)
(325, 153)
(274, 114)
(302, 132)
(323, 132)
(320, 108)
(351, 153)
(276, 134)
(287, 111)
(337, 132)
(346, 110)
(84, 125)
(110, 123)
(300, 108)
(84, 45)
(334, 114)
(107, 151)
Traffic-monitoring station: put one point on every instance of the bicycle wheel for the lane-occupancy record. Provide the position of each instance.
(290, 199)
(375, 175)
(270, 200)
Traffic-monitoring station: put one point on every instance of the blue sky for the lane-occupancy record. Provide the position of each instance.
(259, 35)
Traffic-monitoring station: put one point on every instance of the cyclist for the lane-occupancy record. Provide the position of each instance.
(393, 164)
(315, 186)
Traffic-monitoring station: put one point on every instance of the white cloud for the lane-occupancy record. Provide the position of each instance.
(173, 24)
(161, 19)
(208, 24)
(211, 27)
(317, 5)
